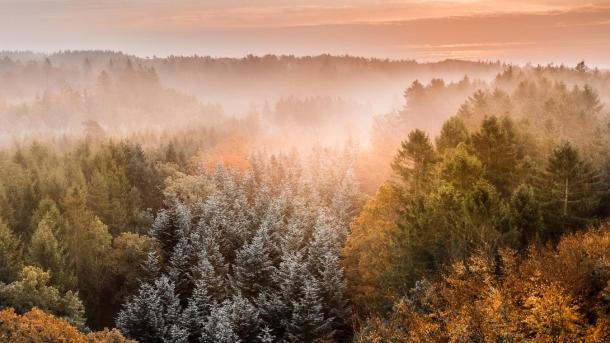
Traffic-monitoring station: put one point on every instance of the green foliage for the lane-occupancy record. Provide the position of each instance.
(525, 215)
(499, 186)
(496, 145)
(569, 190)
(414, 160)
(11, 260)
(452, 134)
(33, 289)
(46, 252)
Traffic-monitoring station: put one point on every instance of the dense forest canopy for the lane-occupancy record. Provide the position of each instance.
(199, 199)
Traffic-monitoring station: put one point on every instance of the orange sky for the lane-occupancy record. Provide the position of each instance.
(540, 31)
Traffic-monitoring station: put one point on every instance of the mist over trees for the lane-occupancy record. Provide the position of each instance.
(138, 202)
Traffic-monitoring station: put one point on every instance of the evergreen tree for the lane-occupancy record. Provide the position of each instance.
(11, 260)
(414, 160)
(497, 147)
(154, 314)
(307, 323)
(170, 226)
(181, 262)
(452, 134)
(253, 266)
(46, 252)
(219, 328)
(568, 190)
(525, 216)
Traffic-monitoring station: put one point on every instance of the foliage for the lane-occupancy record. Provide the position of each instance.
(256, 258)
(548, 295)
(33, 290)
(37, 326)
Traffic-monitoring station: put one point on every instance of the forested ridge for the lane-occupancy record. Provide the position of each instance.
(476, 211)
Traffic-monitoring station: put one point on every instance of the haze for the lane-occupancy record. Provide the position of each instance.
(538, 31)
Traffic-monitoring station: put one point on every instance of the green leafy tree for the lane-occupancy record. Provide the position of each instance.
(33, 289)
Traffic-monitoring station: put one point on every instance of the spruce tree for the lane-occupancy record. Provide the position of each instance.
(11, 259)
(452, 134)
(46, 252)
(414, 161)
(525, 215)
(253, 266)
(154, 314)
(307, 323)
(496, 146)
(569, 190)
(170, 225)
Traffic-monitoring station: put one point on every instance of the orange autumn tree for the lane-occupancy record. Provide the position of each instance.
(37, 326)
(549, 294)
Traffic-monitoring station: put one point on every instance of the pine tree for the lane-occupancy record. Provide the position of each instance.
(414, 160)
(276, 303)
(253, 266)
(306, 323)
(154, 314)
(496, 146)
(11, 260)
(568, 189)
(47, 208)
(525, 216)
(181, 261)
(332, 287)
(452, 134)
(170, 226)
(45, 251)
(219, 328)
(344, 203)
(198, 309)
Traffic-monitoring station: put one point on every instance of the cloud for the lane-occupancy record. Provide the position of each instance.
(539, 31)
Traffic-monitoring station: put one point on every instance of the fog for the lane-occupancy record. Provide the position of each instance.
(296, 100)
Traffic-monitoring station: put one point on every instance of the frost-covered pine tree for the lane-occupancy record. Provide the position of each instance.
(253, 266)
(256, 260)
(235, 318)
(154, 314)
(307, 321)
(170, 225)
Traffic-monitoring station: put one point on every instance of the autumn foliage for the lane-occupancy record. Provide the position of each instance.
(37, 326)
(549, 294)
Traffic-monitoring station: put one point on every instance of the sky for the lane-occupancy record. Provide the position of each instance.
(518, 31)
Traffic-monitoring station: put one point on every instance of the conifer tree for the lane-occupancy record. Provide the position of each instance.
(414, 160)
(568, 189)
(11, 260)
(307, 322)
(170, 226)
(525, 216)
(253, 266)
(452, 134)
(46, 252)
(154, 314)
(496, 146)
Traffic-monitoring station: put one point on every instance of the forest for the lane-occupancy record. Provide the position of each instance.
(302, 199)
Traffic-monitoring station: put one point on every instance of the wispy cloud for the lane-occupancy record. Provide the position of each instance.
(517, 30)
